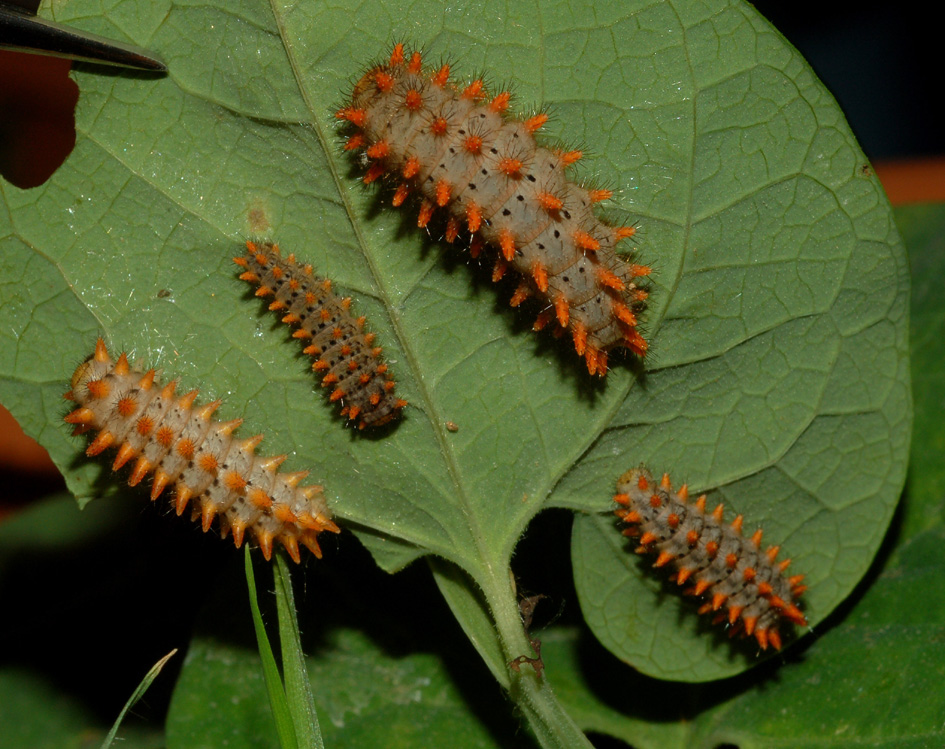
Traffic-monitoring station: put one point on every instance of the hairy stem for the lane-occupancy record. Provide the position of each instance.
(493, 623)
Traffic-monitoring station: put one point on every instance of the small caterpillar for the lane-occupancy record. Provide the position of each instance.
(343, 352)
(724, 567)
(459, 152)
(186, 448)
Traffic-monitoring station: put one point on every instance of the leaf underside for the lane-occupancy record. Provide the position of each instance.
(778, 379)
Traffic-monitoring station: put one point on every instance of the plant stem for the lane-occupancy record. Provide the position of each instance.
(528, 688)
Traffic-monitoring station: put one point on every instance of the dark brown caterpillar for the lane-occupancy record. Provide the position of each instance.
(458, 151)
(186, 448)
(724, 567)
(344, 354)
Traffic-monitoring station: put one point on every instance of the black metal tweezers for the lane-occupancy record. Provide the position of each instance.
(22, 31)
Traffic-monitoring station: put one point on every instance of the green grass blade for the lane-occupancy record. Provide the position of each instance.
(298, 687)
(137, 695)
(277, 697)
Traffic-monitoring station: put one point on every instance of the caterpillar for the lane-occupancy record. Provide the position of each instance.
(344, 354)
(724, 568)
(184, 447)
(459, 151)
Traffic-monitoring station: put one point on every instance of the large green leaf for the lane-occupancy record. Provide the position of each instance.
(885, 642)
(777, 318)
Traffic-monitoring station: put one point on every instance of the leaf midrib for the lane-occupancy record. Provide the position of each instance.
(472, 564)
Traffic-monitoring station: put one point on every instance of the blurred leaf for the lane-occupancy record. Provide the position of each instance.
(27, 708)
(368, 698)
(923, 229)
(221, 699)
(54, 522)
(34, 713)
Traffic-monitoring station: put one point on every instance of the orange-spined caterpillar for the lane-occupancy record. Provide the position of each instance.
(345, 354)
(741, 585)
(457, 150)
(187, 449)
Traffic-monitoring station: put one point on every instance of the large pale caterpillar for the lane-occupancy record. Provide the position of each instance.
(456, 150)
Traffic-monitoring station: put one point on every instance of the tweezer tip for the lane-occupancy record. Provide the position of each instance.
(23, 32)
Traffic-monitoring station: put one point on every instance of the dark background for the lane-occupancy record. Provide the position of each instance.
(882, 61)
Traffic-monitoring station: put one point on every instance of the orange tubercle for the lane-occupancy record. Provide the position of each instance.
(473, 218)
(609, 279)
(413, 100)
(540, 276)
(549, 202)
(562, 310)
(585, 241)
(533, 124)
(403, 190)
(356, 117)
(579, 333)
(443, 191)
(473, 144)
(510, 167)
(475, 90)
(441, 77)
(500, 102)
(375, 172)
(411, 168)
(570, 157)
(426, 213)
(507, 244)
(521, 294)
(440, 126)
(379, 150)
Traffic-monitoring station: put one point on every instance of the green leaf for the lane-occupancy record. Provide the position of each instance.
(847, 688)
(778, 378)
